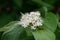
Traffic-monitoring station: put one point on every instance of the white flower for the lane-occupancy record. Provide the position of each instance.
(33, 17)
(33, 27)
(37, 13)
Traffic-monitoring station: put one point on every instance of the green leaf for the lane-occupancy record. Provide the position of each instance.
(43, 11)
(8, 26)
(15, 32)
(43, 35)
(50, 1)
(51, 21)
(59, 24)
(42, 3)
(17, 3)
(5, 18)
(57, 33)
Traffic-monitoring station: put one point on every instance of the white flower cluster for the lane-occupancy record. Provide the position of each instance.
(33, 18)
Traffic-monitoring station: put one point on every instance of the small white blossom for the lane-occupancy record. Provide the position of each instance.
(33, 27)
(37, 13)
(33, 18)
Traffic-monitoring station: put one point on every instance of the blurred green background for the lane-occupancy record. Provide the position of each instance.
(10, 10)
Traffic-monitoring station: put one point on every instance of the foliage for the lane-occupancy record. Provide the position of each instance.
(10, 13)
